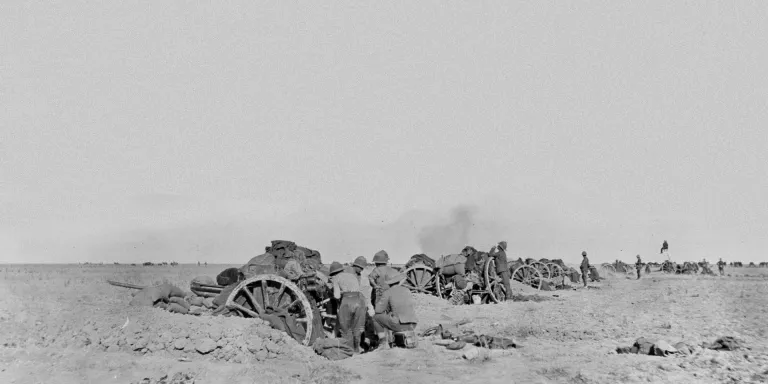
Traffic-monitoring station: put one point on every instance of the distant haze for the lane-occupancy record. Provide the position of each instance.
(170, 131)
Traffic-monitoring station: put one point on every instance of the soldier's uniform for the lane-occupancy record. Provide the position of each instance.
(721, 267)
(502, 268)
(351, 315)
(638, 266)
(377, 277)
(584, 268)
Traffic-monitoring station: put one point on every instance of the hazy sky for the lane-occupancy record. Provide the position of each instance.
(173, 130)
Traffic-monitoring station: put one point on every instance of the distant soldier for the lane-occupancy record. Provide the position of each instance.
(721, 266)
(502, 269)
(379, 274)
(665, 250)
(584, 267)
(638, 266)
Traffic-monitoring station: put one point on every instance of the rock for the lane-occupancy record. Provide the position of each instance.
(663, 348)
(205, 346)
(190, 346)
(272, 347)
(141, 343)
(221, 343)
(240, 358)
(180, 343)
(275, 334)
(255, 344)
(261, 355)
(214, 334)
(166, 337)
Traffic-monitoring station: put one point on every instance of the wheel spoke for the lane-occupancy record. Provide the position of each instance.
(244, 310)
(252, 300)
(289, 306)
(279, 294)
(264, 292)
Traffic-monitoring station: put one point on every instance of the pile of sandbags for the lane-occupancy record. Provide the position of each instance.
(451, 265)
(172, 299)
(420, 258)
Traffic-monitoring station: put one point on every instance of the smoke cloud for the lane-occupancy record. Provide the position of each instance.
(438, 240)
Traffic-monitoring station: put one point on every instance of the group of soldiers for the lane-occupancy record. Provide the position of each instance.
(390, 306)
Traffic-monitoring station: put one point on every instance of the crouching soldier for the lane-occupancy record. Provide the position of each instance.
(394, 312)
(351, 315)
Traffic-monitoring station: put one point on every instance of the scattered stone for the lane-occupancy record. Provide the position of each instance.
(180, 343)
(255, 344)
(205, 346)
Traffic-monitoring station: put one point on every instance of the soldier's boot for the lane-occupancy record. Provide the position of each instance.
(383, 341)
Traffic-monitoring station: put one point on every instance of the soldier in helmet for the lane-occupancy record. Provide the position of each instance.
(721, 266)
(500, 253)
(638, 266)
(378, 276)
(584, 267)
(351, 315)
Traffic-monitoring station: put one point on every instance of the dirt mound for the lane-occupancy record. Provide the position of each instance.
(155, 331)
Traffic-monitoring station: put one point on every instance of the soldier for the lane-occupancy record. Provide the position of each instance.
(351, 315)
(377, 277)
(584, 268)
(358, 265)
(721, 266)
(502, 269)
(395, 311)
(638, 266)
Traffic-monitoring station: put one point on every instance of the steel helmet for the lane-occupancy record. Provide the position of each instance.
(336, 267)
(360, 262)
(381, 257)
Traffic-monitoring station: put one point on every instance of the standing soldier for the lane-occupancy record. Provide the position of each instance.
(638, 266)
(502, 269)
(584, 268)
(351, 315)
(665, 250)
(378, 275)
(721, 266)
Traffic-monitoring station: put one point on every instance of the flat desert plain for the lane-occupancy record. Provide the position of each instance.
(65, 324)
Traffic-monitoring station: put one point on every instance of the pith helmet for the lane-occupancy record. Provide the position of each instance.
(336, 267)
(360, 262)
(503, 245)
(584, 253)
(381, 257)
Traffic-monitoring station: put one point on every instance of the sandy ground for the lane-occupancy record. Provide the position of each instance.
(569, 339)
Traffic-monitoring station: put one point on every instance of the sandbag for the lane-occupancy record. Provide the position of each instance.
(451, 265)
(420, 258)
(230, 276)
(333, 349)
(149, 296)
(259, 265)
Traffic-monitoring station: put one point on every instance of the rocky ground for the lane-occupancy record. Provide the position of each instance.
(65, 324)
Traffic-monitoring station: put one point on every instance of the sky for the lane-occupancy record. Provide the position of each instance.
(139, 131)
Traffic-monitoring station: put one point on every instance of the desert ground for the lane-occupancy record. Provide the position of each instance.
(65, 324)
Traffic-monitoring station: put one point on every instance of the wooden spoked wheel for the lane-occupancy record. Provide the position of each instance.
(555, 270)
(265, 294)
(493, 282)
(420, 278)
(542, 268)
(528, 275)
